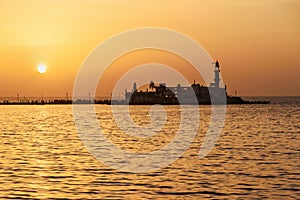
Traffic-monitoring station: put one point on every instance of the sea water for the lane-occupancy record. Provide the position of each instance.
(256, 156)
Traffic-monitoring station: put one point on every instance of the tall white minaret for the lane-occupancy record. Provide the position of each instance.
(217, 74)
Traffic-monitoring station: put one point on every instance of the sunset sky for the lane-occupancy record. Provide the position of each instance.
(257, 42)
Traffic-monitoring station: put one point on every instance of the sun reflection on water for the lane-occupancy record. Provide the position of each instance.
(257, 156)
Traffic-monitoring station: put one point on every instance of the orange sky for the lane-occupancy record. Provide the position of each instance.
(257, 42)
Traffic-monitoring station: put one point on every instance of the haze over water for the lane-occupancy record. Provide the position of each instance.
(257, 155)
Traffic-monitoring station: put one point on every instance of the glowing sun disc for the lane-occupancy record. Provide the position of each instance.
(41, 69)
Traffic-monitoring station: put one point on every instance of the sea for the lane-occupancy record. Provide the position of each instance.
(256, 156)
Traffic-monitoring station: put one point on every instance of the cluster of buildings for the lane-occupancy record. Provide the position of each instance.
(194, 94)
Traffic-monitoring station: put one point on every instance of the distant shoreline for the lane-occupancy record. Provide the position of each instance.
(105, 102)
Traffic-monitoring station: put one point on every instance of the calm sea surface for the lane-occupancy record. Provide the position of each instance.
(257, 155)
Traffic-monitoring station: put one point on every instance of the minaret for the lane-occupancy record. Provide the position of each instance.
(134, 87)
(217, 74)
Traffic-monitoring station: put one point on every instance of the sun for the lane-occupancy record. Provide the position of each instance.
(41, 68)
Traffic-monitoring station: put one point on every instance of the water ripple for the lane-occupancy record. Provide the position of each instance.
(257, 156)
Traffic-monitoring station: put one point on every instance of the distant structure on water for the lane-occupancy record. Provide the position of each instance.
(195, 94)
